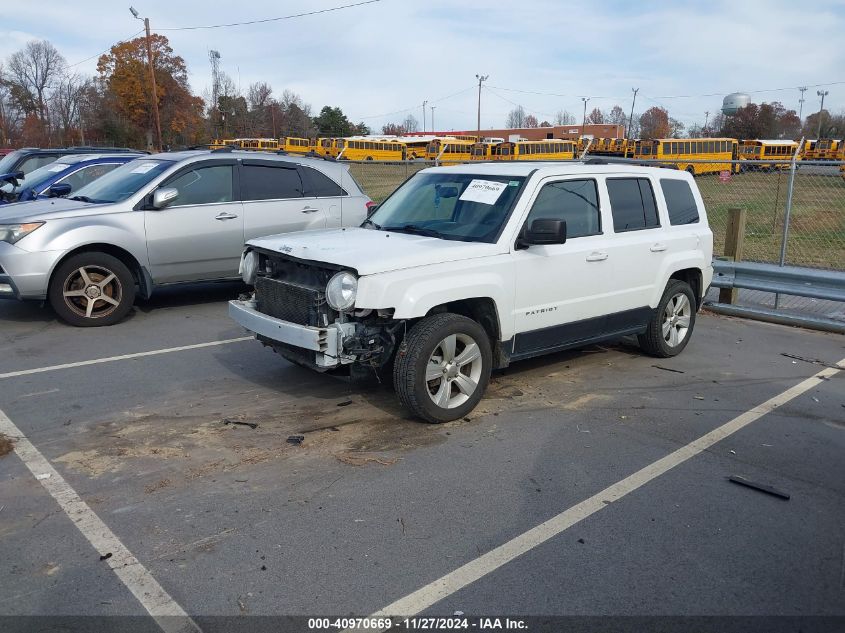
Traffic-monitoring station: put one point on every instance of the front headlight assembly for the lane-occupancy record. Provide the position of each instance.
(249, 267)
(341, 291)
(12, 233)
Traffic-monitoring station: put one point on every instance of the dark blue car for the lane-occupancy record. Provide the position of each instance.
(60, 178)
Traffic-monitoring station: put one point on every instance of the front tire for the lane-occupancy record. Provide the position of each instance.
(670, 328)
(443, 367)
(92, 290)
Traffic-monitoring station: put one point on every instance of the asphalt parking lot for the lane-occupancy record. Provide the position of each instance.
(600, 447)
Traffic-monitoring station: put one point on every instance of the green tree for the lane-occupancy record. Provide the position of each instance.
(332, 122)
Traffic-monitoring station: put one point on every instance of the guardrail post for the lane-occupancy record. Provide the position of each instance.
(734, 244)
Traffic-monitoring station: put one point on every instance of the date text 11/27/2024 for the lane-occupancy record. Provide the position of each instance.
(417, 624)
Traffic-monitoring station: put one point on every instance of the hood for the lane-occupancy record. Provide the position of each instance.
(49, 209)
(369, 251)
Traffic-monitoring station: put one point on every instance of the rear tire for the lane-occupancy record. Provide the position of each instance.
(443, 367)
(91, 290)
(670, 329)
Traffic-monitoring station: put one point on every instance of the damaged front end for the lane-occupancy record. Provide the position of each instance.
(292, 311)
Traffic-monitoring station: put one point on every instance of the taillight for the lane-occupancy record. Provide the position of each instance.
(370, 205)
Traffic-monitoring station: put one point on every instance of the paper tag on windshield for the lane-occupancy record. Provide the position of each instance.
(483, 191)
(58, 167)
(143, 168)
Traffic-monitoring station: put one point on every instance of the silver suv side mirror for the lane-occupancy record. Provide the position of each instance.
(163, 197)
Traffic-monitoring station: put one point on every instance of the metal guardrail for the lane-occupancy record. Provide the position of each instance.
(788, 280)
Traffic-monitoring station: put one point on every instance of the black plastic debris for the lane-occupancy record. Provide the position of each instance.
(345, 403)
(742, 481)
(106, 556)
(252, 425)
(676, 371)
(296, 440)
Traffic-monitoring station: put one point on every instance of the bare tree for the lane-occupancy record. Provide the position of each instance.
(516, 118)
(617, 116)
(531, 121)
(410, 124)
(33, 72)
(65, 104)
(563, 117)
(10, 114)
(596, 116)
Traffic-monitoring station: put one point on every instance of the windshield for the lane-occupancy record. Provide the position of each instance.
(8, 161)
(124, 181)
(450, 206)
(36, 177)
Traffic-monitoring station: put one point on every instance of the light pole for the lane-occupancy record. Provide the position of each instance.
(802, 90)
(154, 95)
(584, 120)
(481, 78)
(432, 118)
(706, 119)
(424, 104)
(822, 94)
(631, 118)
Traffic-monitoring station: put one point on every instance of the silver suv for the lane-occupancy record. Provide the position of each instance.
(164, 219)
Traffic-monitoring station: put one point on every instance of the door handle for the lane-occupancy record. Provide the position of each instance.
(310, 210)
(658, 248)
(225, 216)
(596, 257)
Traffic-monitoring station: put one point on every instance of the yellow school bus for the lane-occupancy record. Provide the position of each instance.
(415, 146)
(369, 149)
(220, 143)
(827, 149)
(324, 146)
(258, 144)
(481, 151)
(551, 149)
(295, 145)
(780, 152)
(808, 152)
(449, 150)
(714, 150)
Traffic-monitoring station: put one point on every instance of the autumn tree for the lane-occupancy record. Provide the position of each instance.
(833, 125)
(531, 121)
(767, 120)
(596, 116)
(654, 123)
(126, 77)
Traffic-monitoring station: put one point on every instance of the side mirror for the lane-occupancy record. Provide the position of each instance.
(59, 190)
(546, 231)
(163, 197)
(372, 208)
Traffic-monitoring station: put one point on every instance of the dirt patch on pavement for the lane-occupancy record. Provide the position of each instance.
(6, 445)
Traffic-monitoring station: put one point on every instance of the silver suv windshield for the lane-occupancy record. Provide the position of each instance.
(125, 181)
(466, 207)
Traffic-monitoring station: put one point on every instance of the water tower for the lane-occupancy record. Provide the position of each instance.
(733, 102)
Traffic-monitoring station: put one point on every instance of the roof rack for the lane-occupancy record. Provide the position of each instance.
(227, 149)
(626, 161)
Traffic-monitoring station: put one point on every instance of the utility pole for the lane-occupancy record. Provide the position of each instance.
(481, 78)
(584, 120)
(154, 94)
(822, 94)
(424, 104)
(706, 119)
(802, 90)
(432, 118)
(631, 118)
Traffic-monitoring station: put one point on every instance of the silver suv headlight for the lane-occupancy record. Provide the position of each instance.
(12, 233)
(341, 291)
(249, 267)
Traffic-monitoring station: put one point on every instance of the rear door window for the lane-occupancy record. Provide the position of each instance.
(269, 182)
(632, 204)
(320, 185)
(679, 201)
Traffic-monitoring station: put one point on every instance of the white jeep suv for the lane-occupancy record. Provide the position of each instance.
(467, 268)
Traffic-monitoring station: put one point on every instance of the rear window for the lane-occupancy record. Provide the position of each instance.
(321, 185)
(679, 201)
(632, 204)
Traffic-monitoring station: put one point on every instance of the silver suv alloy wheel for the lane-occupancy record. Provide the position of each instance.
(453, 371)
(92, 291)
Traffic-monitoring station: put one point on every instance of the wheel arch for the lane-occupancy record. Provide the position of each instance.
(482, 310)
(694, 278)
(139, 273)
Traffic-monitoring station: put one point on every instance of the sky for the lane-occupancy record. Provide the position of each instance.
(380, 61)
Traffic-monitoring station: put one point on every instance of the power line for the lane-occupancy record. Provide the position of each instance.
(552, 94)
(87, 59)
(414, 107)
(265, 20)
(719, 94)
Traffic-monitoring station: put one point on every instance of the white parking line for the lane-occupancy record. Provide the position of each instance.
(441, 588)
(129, 569)
(111, 359)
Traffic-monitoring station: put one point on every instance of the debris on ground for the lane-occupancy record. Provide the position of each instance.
(698, 397)
(813, 361)
(402, 523)
(106, 556)
(677, 371)
(296, 440)
(742, 481)
(252, 425)
(241, 604)
(43, 476)
(362, 460)
(345, 403)
(6, 445)
(580, 540)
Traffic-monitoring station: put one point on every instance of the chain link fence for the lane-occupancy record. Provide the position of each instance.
(816, 232)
